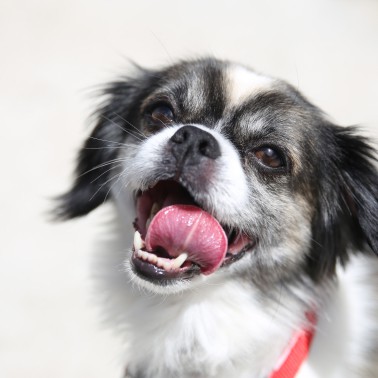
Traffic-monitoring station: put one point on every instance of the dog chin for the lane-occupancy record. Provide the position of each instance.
(178, 286)
(160, 287)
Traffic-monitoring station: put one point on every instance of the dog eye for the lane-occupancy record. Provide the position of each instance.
(162, 115)
(269, 157)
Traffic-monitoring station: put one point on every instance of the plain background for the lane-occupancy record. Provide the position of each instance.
(52, 54)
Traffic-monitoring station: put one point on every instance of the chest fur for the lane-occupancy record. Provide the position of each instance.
(206, 333)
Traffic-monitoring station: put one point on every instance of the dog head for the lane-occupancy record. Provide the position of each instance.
(230, 173)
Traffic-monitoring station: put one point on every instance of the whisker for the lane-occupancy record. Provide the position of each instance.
(133, 126)
(111, 147)
(102, 185)
(162, 45)
(122, 174)
(165, 125)
(102, 165)
(109, 141)
(112, 186)
(120, 127)
(108, 170)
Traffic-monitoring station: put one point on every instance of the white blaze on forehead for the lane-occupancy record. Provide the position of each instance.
(243, 84)
(195, 92)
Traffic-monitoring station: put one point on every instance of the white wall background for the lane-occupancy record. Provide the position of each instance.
(51, 54)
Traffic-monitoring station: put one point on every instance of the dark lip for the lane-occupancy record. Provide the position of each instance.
(154, 274)
(231, 258)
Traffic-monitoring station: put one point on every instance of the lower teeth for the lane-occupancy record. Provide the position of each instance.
(166, 264)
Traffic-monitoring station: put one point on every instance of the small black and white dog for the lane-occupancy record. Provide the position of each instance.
(246, 227)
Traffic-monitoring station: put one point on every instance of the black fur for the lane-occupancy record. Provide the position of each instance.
(347, 199)
(116, 119)
(342, 179)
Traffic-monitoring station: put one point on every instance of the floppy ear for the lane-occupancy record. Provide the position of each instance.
(347, 212)
(116, 119)
(360, 181)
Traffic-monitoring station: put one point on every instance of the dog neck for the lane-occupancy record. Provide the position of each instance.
(293, 356)
(296, 352)
(207, 326)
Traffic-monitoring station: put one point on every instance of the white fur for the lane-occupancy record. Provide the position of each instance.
(224, 327)
(220, 327)
(347, 322)
(198, 329)
(244, 83)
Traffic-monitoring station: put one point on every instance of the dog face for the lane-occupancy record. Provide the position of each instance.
(229, 173)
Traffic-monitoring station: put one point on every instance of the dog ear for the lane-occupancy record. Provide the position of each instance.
(347, 211)
(360, 184)
(116, 119)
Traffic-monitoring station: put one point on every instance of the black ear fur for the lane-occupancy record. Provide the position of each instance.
(347, 211)
(361, 185)
(117, 118)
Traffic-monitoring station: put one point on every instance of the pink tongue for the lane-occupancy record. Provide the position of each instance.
(187, 228)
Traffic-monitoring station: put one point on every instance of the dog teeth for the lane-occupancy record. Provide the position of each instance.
(138, 242)
(179, 260)
(154, 210)
(163, 263)
(143, 255)
(153, 259)
(167, 266)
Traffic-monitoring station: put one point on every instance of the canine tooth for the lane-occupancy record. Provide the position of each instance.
(179, 260)
(148, 222)
(144, 255)
(154, 210)
(138, 242)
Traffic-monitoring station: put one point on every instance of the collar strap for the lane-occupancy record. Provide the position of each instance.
(296, 352)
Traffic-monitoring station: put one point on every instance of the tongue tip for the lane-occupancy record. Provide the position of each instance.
(178, 228)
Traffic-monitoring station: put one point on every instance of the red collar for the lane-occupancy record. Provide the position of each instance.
(296, 352)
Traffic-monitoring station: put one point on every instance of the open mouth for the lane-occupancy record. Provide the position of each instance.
(176, 239)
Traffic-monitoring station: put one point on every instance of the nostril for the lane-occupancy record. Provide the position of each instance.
(193, 144)
(203, 148)
(184, 136)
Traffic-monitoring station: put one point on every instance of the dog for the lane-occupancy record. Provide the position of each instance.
(245, 226)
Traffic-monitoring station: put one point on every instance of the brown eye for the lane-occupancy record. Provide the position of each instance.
(162, 115)
(269, 157)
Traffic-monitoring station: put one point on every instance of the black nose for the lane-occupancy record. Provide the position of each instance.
(191, 144)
